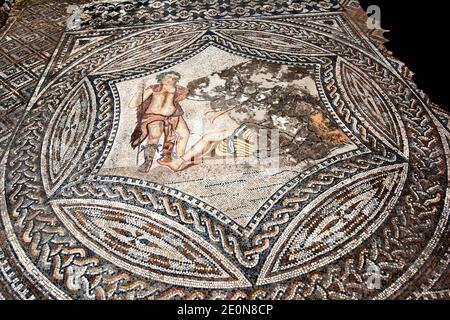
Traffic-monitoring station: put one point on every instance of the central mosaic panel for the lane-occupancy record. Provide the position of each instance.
(219, 126)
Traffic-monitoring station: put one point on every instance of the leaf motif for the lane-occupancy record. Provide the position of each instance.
(266, 41)
(148, 244)
(372, 107)
(334, 224)
(146, 52)
(67, 136)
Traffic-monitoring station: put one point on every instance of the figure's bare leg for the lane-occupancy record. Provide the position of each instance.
(155, 131)
(204, 147)
(183, 132)
(199, 151)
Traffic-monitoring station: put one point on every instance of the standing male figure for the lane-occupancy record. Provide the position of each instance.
(159, 112)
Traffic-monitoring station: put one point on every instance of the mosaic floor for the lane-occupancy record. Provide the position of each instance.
(216, 150)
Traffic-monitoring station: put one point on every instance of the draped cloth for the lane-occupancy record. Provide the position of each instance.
(145, 119)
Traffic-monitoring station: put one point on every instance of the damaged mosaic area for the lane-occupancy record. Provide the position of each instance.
(221, 150)
(269, 98)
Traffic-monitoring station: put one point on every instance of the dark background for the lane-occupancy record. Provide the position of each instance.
(419, 36)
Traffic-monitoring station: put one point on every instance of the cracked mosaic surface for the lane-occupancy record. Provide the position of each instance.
(359, 188)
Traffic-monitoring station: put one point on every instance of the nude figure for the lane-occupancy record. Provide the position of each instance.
(237, 141)
(159, 113)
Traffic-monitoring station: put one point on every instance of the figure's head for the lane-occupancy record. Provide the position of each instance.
(168, 78)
